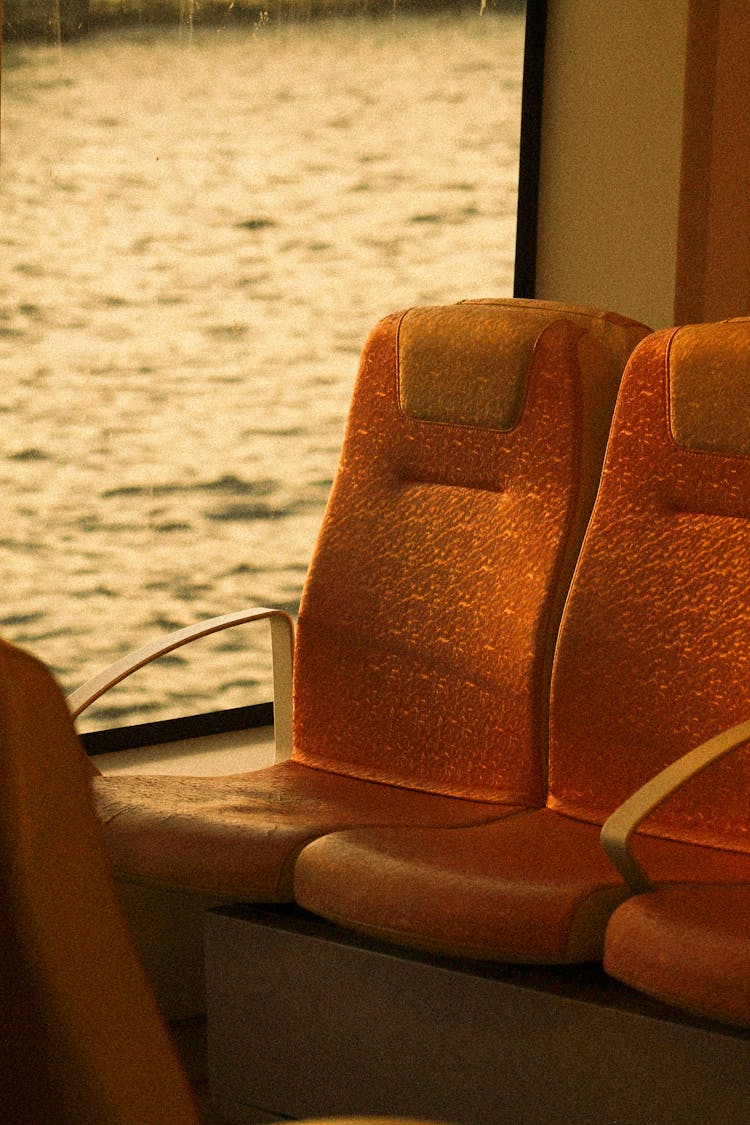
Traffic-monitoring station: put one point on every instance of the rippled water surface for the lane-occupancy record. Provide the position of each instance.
(197, 234)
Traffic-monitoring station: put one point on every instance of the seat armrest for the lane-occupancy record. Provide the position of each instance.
(621, 825)
(282, 653)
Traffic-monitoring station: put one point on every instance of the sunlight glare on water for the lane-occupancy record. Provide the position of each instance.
(196, 239)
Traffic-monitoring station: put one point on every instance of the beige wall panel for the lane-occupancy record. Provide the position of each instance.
(611, 155)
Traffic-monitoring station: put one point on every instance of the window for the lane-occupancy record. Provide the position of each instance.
(201, 221)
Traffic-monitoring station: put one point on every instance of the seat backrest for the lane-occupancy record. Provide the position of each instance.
(653, 654)
(470, 462)
(82, 1040)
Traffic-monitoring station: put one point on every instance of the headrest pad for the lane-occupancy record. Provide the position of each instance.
(467, 364)
(709, 387)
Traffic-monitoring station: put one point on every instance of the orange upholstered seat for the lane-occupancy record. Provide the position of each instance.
(687, 943)
(82, 1040)
(651, 659)
(426, 629)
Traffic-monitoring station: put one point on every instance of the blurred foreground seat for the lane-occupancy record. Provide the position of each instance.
(651, 659)
(81, 1037)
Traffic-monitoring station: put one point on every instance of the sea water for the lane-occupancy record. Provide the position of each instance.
(198, 231)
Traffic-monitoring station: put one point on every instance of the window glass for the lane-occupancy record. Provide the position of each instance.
(202, 218)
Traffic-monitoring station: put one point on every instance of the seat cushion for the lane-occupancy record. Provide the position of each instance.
(526, 889)
(238, 836)
(687, 945)
(535, 888)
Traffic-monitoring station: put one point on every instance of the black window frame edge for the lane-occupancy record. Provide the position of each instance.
(530, 145)
(160, 731)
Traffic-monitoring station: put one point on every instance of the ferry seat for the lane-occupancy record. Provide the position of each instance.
(651, 659)
(82, 1038)
(687, 944)
(425, 633)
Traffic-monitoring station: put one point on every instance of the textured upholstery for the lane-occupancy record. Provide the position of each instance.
(651, 660)
(652, 657)
(428, 619)
(453, 543)
(81, 1037)
(687, 945)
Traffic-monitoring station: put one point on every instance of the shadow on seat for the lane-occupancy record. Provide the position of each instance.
(649, 661)
(425, 634)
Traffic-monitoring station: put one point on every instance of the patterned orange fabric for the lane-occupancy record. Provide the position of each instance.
(653, 651)
(428, 619)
